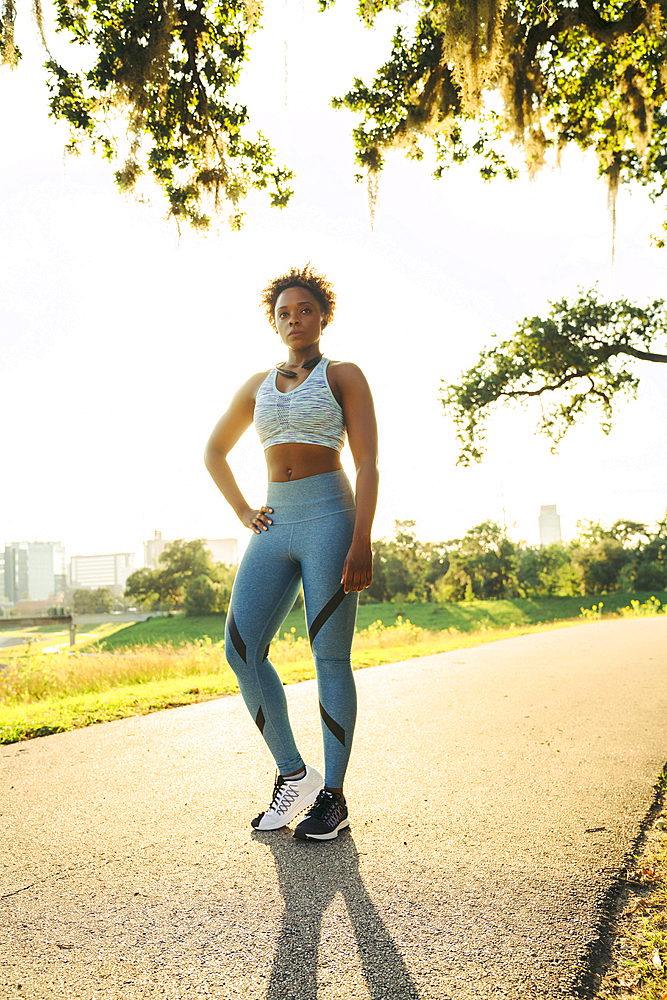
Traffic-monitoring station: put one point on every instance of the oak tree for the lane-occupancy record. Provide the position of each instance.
(579, 358)
(463, 74)
(544, 74)
(162, 77)
(178, 581)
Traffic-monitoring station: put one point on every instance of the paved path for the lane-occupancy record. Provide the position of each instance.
(495, 794)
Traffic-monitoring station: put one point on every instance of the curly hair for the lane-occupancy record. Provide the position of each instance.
(300, 277)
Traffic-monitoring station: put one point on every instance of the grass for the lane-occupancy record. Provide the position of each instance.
(43, 693)
(178, 630)
(40, 637)
(639, 951)
(467, 616)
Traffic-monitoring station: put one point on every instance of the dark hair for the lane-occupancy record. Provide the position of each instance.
(300, 277)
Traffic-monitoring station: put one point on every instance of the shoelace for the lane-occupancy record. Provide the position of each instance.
(283, 797)
(325, 806)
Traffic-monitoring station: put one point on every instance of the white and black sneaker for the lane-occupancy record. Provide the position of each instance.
(324, 819)
(290, 797)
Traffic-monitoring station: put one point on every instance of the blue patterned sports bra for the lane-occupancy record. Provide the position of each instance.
(309, 414)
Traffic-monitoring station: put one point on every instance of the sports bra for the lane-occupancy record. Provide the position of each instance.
(308, 414)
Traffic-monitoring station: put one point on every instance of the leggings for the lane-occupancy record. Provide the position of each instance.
(313, 522)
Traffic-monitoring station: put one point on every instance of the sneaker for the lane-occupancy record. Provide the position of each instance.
(324, 819)
(290, 798)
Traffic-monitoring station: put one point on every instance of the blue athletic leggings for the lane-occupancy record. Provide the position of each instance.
(313, 522)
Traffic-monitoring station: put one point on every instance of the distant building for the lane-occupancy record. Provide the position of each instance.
(223, 550)
(153, 549)
(549, 526)
(5, 604)
(92, 572)
(34, 571)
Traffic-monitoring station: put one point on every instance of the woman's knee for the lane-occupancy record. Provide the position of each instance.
(237, 663)
(243, 659)
(332, 666)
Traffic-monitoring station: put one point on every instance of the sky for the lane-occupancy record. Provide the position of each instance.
(123, 342)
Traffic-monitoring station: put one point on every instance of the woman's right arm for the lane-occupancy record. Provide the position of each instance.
(226, 433)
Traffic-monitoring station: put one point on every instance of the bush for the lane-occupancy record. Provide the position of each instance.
(93, 602)
(205, 597)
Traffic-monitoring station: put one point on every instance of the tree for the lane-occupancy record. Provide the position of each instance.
(405, 568)
(93, 602)
(543, 73)
(578, 358)
(599, 566)
(648, 568)
(205, 597)
(163, 75)
(181, 563)
(545, 571)
(481, 564)
(142, 586)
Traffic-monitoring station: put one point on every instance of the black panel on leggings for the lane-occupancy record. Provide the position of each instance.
(239, 644)
(326, 613)
(333, 726)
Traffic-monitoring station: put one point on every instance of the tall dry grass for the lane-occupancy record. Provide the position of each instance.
(33, 675)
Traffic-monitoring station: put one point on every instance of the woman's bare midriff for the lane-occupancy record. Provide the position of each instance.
(298, 461)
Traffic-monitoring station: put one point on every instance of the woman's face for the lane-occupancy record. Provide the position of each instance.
(298, 318)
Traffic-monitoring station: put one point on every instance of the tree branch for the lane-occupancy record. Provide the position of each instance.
(608, 31)
(545, 388)
(543, 32)
(585, 16)
(633, 352)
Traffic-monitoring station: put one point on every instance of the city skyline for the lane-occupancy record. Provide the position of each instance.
(40, 571)
(111, 570)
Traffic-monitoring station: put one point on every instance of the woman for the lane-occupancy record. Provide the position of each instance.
(310, 531)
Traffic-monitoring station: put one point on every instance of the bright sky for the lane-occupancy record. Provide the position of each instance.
(122, 345)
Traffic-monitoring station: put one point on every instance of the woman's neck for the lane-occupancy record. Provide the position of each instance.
(297, 359)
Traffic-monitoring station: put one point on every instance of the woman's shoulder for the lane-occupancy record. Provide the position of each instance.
(248, 391)
(344, 368)
(346, 372)
(257, 379)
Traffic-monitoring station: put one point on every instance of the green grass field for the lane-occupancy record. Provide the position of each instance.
(465, 617)
(166, 662)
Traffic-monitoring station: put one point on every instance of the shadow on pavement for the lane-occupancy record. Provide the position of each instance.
(311, 875)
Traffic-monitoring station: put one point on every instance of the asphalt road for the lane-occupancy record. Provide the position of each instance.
(13, 640)
(495, 794)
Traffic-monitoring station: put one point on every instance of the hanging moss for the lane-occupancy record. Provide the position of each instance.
(9, 55)
(472, 33)
(570, 72)
(466, 75)
(159, 98)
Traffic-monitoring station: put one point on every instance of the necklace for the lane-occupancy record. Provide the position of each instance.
(308, 366)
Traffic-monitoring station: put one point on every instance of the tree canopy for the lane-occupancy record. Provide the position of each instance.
(404, 567)
(544, 73)
(92, 602)
(580, 357)
(186, 577)
(163, 76)
(486, 564)
(464, 75)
